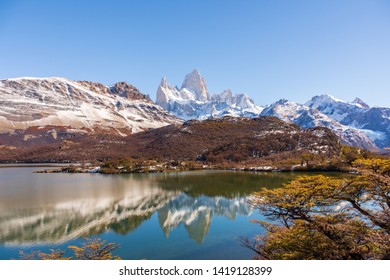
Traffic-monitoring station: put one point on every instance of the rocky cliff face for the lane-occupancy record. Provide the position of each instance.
(77, 105)
(195, 83)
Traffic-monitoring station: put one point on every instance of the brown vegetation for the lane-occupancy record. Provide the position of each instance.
(222, 142)
(91, 249)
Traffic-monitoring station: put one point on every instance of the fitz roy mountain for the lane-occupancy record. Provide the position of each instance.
(354, 122)
(58, 105)
(193, 100)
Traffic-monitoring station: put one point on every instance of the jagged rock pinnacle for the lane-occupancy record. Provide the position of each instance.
(196, 83)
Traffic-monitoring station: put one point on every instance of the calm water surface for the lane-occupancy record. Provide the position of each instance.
(188, 215)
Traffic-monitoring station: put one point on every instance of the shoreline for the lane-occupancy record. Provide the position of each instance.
(97, 170)
(51, 164)
(167, 166)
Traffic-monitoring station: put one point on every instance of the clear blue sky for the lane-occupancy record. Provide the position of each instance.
(267, 49)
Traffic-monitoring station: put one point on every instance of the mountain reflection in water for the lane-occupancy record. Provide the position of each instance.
(83, 212)
(186, 215)
(196, 213)
(55, 208)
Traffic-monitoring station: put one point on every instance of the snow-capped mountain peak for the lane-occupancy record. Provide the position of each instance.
(333, 107)
(374, 122)
(308, 117)
(226, 96)
(328, 101)
(358, 102)
(193, 100)
(324, 99)
(164, 82)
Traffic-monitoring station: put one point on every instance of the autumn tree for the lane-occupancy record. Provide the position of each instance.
(318, 217)
(91, 249)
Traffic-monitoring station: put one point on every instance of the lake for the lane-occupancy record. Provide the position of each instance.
(186, 215)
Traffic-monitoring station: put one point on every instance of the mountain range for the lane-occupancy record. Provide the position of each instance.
(354, 122)
(307, 117)
(374, 122)
(80, 106)
(193, 101)
(54, 116)
(229, 139)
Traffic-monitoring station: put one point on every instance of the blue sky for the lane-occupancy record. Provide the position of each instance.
(267, 49)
